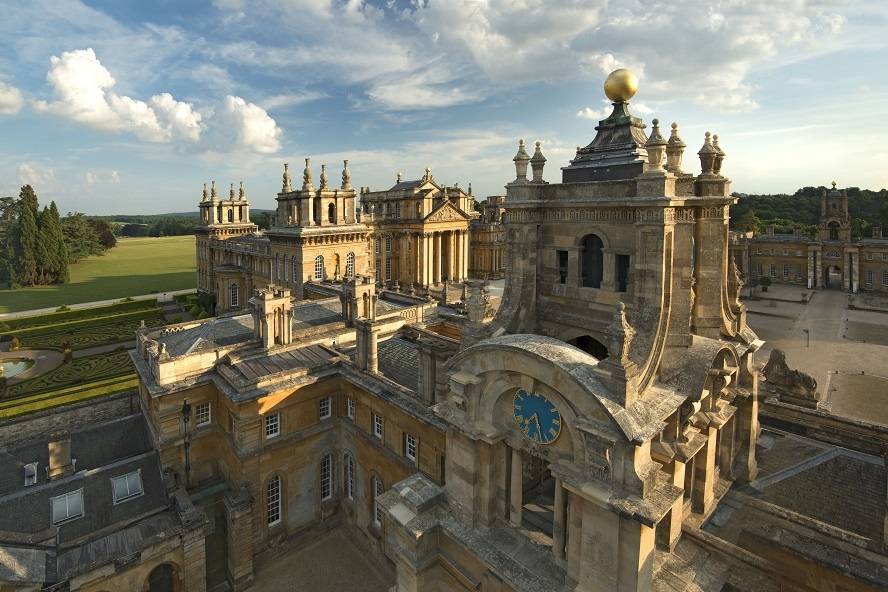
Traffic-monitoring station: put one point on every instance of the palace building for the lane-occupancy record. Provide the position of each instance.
(487, 251)
(413, 237)
(833, 259)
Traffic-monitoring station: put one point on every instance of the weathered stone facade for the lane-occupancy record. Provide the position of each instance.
(831, 260)
(487, 256)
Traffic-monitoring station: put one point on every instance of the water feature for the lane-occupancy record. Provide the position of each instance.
(14, 366)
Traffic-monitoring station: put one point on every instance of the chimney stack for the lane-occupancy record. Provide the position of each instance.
(60, 463)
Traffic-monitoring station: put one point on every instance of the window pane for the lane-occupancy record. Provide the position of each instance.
(75, 504)
(59, 509)
(118, 484)
(134, 483)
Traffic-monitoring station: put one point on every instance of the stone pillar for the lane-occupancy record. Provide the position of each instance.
(516, 490)
(669, 529)
(419, 248)
(846, 271)
(437, 262)
(811, 278)
(467, 254)
(194, 570)
(746, 422)
(239, 514)
(855, 271)
(710, 270)
(608, 277)
(818, 267)
(703, 493)
(573, 266)
(559, 526)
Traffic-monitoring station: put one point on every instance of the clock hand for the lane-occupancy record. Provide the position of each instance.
(539, 428)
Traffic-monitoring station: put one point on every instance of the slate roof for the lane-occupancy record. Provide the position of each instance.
(304, 357)
(399, 361)
(216, 333)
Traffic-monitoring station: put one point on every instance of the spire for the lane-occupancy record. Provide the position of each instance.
(656, 146)
(231, 192)
(287, 185)
(707, 155)
(242, 194)
(213, 194)
(323, 177)
(521, 159)
(720, 156)
(306, 176)
(675, 148)
(346, 176)
(204, 195)
(537, 163)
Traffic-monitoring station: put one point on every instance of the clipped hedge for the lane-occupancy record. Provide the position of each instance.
(67, 396)
(77, 315)
(78, 372)
(90, 332)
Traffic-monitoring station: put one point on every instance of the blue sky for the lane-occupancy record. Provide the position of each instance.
(127, 106)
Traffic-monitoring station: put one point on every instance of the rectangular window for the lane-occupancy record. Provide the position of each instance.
(350, 407)
(885, 278)
(410, 447)
(622, 272)
(388, 244)
(785, 252)
(273, 501)
(126, 486)
(869, 277)
(377, 509)
(562, 267)
(773, 270)
(884, 256)
(326, 477)
(349, 477)
(786, 272)
(30, 474)
(378, 426)
(758, 268)
(67, 506)
(272, 425)
(324, 408)
(202, 414)
(388, 268)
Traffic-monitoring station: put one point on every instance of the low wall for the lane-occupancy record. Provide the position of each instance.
(861, 436)
(68, 417)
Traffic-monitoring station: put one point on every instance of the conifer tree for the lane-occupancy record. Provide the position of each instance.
(60, 250)
(25, 243)
(44, 251)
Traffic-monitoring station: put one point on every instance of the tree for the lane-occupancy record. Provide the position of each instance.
(80, 237)
(748, 221)
(60, 251)
(45, 250)
(104, 232)
(25, 239)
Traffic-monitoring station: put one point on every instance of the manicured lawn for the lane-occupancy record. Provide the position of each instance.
(135, 266)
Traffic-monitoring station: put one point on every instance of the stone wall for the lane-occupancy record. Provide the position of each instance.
(69, 417)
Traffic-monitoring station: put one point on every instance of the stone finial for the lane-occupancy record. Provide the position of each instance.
(537, 162)
(470, 188)
(306, 176)
(656, 146)
(707, 155)
(287, 180)
(398, 178)
(346, 175)
(213, 193)
(231, 192)
(521, 159)
(204, 194)
(324, 177)
(428, 174)
(675, 148)
(620, 335)
(735, 282)
(833, 185)
(242, 193)
(719, 157)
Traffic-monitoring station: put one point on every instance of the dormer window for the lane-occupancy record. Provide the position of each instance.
(30, 474)
(126, 486)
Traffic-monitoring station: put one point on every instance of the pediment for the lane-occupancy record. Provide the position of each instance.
(446, 212)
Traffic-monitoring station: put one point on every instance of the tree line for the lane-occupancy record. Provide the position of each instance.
(39, 245)
(801, 211)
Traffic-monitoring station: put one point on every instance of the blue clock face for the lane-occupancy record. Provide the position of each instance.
(537, 417)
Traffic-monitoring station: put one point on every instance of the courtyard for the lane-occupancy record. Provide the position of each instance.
(845, 350)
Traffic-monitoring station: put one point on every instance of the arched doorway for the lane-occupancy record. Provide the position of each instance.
(163, 578)
(833, 277)
(590, 345)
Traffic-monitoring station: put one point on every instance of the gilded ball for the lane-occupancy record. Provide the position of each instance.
(621, 85)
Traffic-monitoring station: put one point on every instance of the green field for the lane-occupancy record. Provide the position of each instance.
(135, 266)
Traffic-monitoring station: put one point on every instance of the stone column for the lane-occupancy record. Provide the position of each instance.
(468, 253)
(373, 350)
(516, 494)
(846, 271)
(239, 514)
(811, 279)
(818, 267)
(669, 530)
(195, 555)
(855, 271)
(703, 493)
(608, 277)
(437, 261)
(559, 526)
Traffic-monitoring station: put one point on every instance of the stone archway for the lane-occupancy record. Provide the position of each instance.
(833, 277)
(163, 578)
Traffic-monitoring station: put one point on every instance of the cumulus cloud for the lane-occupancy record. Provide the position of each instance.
(11, 99)
(35, 175)
(91, 178)
(115, 177)
(82, 89)
(593, 114)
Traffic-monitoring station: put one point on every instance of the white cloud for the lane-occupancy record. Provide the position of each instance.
(91, 178)
(115, 177)
(593, 114)
(35, 175)
(82, 88)
(291, 99)
(240, 124)
(11, 99)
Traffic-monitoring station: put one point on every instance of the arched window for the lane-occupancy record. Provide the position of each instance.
(234, 299)
(593, 261)
(833, 230)
(331, 213)
(349, 476)
(350, 266)
(590, 345)
(377, 509)
(319, 267)
(296, 273)
(273, 501)
(326, 477)
(419, 210)
(162, 578)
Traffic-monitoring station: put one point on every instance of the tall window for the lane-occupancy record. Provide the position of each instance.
(834, 229)
(388, 244)
(67, 506)
(350, 266)
(410, 447)
(349, 476)
(869, 277)
(758, 268)
(326, 477)
(388, 268)
(324, 408)
(593, 261)
(885, 278)
(319, 267)
(350, 408)
(273, 501)
(622, 262)
(272, 425)
(785, 272)
(378, 426)
(297, 274)
(235, 295)
(331, 213)
(562, 266)
(377, 509)
(773, 270)
(126, 486)
(202, 415)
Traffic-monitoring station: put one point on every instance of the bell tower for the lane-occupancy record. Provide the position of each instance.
(835, 223)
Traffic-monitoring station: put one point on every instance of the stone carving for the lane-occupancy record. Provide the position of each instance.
(306, 176)
(287, 181)
(346, 176)
(598, 458)
(790, 386)
(323, 177)
(445, 214)
(205, 195)
(620, 335)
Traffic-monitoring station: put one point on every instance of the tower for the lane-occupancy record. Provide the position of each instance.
(835, 223)
(220, 219)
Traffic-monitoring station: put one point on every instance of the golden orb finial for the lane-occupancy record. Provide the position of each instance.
(621, 85)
